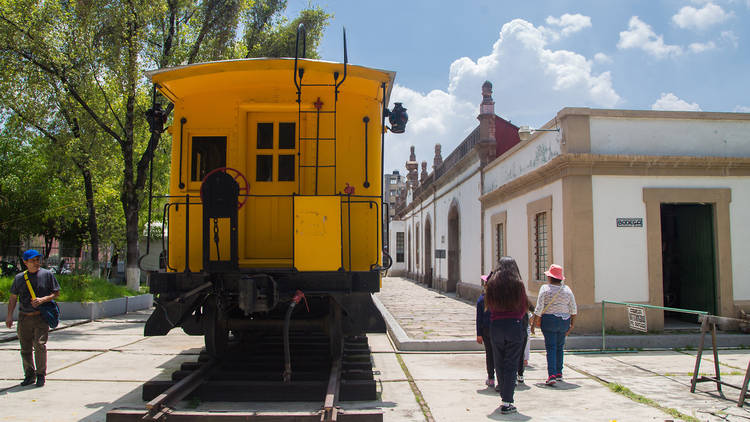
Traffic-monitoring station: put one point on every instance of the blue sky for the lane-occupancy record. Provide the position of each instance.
(542, 56)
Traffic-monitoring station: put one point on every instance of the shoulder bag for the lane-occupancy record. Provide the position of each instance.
(538, 321)
(48, 310)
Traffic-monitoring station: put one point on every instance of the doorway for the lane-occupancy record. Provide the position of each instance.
(428, 252)
(454, 251)
(688, 259)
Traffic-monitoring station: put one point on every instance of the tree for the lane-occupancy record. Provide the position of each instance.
(96, 53)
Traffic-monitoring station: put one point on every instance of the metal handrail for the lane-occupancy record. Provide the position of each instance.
(346, 200)
(642, 305)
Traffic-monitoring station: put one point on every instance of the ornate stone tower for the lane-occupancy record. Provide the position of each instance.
(488, 144)
(411, 169)
(423, 175)
(438, 160)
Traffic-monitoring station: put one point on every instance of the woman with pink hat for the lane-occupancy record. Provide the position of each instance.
(556, 307)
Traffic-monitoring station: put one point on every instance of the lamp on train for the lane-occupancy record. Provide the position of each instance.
(397, 118)
(525, 132)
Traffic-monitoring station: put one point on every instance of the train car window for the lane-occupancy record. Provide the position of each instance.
(286, 168)
(265, 135)
(208, 153)
(264, 168)
(286, 136)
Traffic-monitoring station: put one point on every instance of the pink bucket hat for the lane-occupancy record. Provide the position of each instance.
(555, 271)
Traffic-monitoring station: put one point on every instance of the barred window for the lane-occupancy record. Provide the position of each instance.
(541, 245)
(499, 237)
(399, 246)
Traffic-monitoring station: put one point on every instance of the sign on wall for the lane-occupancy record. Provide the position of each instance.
(637, 318)
(630, 222)
(439, 253)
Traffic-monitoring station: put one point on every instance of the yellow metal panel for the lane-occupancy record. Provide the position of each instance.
(317, 233)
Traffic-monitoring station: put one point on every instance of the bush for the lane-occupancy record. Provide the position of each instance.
(77, 288)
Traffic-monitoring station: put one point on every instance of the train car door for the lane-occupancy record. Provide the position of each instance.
(273, 171)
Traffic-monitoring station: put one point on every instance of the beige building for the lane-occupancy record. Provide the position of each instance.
(637, 206)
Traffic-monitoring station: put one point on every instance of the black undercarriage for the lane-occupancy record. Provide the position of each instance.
(213, 305)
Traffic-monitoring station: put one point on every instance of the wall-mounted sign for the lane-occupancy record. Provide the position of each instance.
(439, 253)
(637, 318)
(630, 222)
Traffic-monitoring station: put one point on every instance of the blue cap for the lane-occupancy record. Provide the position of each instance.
(31, 254)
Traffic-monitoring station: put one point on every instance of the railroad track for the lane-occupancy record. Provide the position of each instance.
(252, 371)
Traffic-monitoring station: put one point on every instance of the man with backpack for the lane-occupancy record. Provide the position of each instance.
(34, 287)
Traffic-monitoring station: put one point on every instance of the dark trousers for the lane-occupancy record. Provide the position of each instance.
(489, 360)
(507, 346)
(554, 328)
(32, 334)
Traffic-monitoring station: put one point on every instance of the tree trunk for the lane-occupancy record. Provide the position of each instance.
(93, 228)
(131, 206)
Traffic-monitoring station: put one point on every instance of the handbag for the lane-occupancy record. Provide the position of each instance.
(49, 311)
(538, 321)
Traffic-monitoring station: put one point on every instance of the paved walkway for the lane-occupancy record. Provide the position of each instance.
(426, 314)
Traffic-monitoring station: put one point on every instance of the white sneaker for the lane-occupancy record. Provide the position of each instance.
(520, 379)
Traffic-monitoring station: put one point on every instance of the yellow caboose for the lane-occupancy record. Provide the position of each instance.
(275, 194)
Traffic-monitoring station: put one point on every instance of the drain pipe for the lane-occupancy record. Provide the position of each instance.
(287, 376)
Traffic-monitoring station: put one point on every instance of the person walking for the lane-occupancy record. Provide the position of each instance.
(506, 298)
(32, 329)
(524, 359)
(556, 306)
(483, 335)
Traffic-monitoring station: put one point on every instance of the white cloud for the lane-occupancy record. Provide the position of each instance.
(669, 101)
(691, 18)
(731, 38)
(531, 82)
(698, 47)
(568, 24)
(602, 58)
(742, 109)
(640, 35)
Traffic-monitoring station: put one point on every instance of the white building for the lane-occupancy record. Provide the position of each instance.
(637, 206)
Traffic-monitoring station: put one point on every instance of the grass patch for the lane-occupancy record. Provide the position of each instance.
(78, 288)
(620, 389)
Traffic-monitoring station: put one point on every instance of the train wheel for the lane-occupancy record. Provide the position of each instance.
(216, 328)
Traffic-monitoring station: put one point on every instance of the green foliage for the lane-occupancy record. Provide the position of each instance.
(77, 288)
(73, 93)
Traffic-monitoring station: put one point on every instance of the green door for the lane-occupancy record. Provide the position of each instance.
(693, 264)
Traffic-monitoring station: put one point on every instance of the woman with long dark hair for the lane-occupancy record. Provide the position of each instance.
(506, 299)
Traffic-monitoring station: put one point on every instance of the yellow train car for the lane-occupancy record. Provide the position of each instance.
(275, 196)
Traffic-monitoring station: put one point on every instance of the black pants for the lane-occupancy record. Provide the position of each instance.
(507, 345)
(489, 360)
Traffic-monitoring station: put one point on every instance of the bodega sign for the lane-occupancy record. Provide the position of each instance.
(637, 318)
(629, 222)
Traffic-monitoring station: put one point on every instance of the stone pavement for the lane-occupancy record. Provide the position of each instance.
(423, 319)
(101, 365)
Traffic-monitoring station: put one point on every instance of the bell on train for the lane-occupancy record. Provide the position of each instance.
(398, 118)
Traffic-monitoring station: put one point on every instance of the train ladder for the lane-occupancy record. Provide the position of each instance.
(320, 112)
(706, 321)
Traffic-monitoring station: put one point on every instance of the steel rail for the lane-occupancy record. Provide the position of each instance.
(162, 405)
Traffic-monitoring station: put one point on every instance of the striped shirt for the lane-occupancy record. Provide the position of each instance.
(564, 304)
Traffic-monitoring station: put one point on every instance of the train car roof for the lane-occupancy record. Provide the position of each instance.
(187, 80)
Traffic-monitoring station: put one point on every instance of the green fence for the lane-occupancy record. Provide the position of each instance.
(641, 305)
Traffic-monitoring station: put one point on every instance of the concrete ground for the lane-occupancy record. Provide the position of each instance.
(97, 366)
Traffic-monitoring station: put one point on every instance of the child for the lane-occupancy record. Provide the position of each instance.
(483, 335)
(527, 346)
